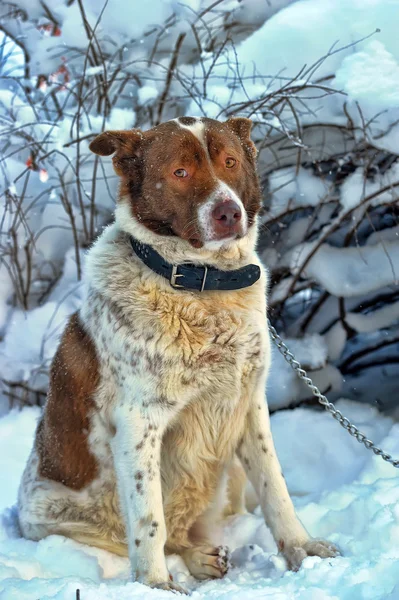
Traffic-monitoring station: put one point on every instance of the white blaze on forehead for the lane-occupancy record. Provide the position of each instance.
(197, 129)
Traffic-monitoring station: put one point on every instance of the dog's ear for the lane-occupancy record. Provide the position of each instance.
(109, 142)
(242, 128)
(124, 144)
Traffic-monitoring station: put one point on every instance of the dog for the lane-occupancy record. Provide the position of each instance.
(157, 389)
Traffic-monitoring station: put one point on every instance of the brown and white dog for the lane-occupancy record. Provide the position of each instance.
(155, 389)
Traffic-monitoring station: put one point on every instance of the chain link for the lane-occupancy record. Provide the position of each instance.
(334, 412)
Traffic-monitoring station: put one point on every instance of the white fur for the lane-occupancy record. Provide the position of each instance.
(141, 511)
(259, 456)
(198, 130)
(205, 215)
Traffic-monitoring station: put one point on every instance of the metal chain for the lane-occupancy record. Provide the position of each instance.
(343, 421)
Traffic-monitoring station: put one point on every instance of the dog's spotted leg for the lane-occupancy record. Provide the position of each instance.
(136, 448)
(259, 458)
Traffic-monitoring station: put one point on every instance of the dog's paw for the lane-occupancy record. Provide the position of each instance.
(207, 562)
(295, 555)
(170, 586)
(223, 559)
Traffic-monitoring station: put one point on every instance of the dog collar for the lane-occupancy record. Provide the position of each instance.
(187, 276)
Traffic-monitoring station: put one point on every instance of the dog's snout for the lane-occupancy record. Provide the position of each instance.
(227, 214)
(223, 216)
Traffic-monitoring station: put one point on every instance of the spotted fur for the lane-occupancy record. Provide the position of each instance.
(155, 391)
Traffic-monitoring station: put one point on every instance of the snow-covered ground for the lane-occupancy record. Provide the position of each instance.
(341, 491)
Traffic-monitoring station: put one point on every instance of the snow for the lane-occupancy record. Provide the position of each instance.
(283, 385)
(256, 11)
(33, 336)
(335, 339)
(147, 93)
(358, 41)
(379, 236)
(290, 187)
(370, 73)
(371, 77)
(132, 23)
(350, 272)
(341, 491)
(378, 319)
(355, 189)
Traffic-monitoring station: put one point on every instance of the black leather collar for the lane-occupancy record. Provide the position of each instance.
(187, 276)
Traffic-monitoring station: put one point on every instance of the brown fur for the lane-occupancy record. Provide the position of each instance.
(147, 160)
(153, 390)
(61, 438)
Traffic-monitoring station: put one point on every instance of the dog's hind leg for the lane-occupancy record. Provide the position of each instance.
(186, 505)
(191, 515)
(92, 538)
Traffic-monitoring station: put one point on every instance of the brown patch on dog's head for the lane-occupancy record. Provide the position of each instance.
(191, 178)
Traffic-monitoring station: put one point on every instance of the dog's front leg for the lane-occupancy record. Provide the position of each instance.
(258, 455)
(136, 448)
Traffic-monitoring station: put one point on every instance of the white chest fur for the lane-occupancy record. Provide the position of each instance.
(171, 345)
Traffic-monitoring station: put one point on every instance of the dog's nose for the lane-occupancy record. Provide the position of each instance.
(227, 214)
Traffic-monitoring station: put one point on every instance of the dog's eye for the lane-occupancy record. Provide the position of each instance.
(230, 162)
(181, 173)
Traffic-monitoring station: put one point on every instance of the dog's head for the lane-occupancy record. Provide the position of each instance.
(194, 179)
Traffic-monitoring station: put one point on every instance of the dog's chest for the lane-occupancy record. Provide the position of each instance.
(208, 342)
(179, 344)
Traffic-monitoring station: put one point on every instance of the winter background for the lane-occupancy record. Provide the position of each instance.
(320, 80)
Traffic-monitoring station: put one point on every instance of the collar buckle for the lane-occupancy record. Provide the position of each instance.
(174, 276)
